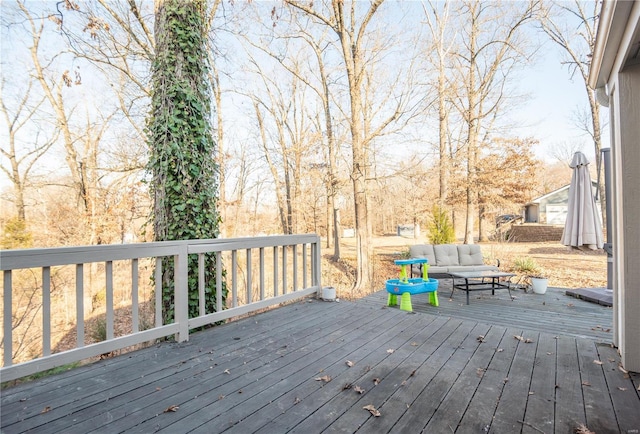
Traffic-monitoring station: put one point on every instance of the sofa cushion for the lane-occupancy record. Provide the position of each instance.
(423, 251)
(446, 255)
(437, 270)
(470, 254)
(465, 268)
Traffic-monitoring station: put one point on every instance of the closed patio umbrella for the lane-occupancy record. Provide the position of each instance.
(583, 227)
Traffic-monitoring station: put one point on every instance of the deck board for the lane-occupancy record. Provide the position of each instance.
(600, 414)
(569, 401)
(466, 386)
(623, 394)
(499, 396)
(455, 368)
(553, 312)
(539, 412)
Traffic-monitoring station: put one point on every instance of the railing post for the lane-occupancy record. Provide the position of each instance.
(284, 269)
(158, 291)
(219, 283)
(110, 316)
(305, 278)
(201, 299)
(135, 317)
(79, 305)
(317, 256)
(181, 295)
(249, 273)
(8, 316)
(46, 311)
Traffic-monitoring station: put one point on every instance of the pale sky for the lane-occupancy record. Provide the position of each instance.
(554, 101)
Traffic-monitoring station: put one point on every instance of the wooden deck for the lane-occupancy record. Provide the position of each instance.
(534, 364)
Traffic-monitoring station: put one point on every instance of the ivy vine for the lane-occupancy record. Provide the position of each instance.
(182, 166)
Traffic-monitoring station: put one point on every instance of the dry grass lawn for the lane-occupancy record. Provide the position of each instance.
(565, 267)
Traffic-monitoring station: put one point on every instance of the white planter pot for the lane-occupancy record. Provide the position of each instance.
(328, 293)
(539, 285)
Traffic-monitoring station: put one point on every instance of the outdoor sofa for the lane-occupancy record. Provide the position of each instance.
(449, 258)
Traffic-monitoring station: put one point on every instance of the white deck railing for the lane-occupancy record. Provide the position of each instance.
(288, 267)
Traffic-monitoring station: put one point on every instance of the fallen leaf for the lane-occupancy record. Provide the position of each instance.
(372, 410)
(226, 371)
(349, 363)
(46, 409)
(347, 386)
(499, 350)
(480, 338)
(359, 389)
(531, 393)
(390, 351)
(597, 362)
(622, 388)
(414, 344)
(376, 381)
(412, 373)
(221, 397)
(480, 372)
(296, 401)
(586, 383)
(582, 429)
(528, 341)
(518, 337)
(325, 378)
(624, 371)
(171, 408)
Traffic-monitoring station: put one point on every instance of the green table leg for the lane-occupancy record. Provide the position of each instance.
(404, 276)
(405, 302)
(433, 298)
(392, 300)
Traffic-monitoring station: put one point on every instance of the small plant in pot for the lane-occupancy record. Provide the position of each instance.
(539, 283)
(531, 274)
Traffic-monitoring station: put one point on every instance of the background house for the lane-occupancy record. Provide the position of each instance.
(551, 208)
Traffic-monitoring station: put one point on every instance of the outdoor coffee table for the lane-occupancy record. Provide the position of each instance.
(481, 281)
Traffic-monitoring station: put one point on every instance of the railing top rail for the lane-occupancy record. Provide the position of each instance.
(253, 243)
(56, 256)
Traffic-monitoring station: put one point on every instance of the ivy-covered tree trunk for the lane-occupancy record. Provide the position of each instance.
(182, 160)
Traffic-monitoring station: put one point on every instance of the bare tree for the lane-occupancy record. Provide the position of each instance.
(285, 131)
(22, 157)
(572, 27)
(316, 78)
(493, 44)
(437, 18)
(350, 23)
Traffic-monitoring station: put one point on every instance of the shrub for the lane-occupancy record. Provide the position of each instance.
(16, 235)
(526, 265)
(440, 228)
